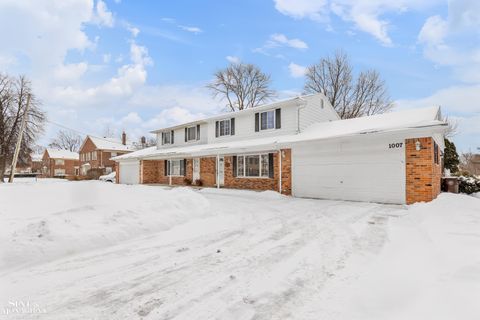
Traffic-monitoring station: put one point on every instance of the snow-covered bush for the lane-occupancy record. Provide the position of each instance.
(469, 184)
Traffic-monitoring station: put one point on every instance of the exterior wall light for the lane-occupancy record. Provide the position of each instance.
(418, 145)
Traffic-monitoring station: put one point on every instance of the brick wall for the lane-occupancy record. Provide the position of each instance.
(102, 156)
(423, 175)
(152, 171)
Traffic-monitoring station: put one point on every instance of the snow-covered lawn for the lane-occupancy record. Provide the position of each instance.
(93, 250)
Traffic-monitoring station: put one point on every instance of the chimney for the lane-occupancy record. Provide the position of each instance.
(124, 138)
(143, 141)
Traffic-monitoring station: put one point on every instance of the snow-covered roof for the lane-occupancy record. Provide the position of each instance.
(295, 101)
(62, 154)
(111, 144)
(36, 157)
(387, 122)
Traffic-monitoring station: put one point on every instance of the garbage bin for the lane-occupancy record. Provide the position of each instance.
(451, 184)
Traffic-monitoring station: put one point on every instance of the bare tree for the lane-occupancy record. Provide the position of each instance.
(66, 140)
(242, 86)
(452, 128)
(332, 76)
(13, 99)
(470, 162)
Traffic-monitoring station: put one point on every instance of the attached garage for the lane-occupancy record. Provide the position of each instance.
(129, 172)
(359, 169)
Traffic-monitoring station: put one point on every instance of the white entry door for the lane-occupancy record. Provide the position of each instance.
(196, 169)
(221, 170)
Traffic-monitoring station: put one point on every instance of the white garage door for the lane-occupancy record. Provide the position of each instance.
(362, 170)
(129, 172)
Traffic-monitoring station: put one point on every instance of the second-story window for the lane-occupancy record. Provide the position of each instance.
(267, 120)
(167, 137)
(224, 128)
(59, 162)
(192, 133)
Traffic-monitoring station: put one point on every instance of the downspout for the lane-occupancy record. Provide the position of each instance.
(302, 106)
(280, 171)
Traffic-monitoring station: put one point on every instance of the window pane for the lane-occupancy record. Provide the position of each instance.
(267, 120)
(227, 127)
(252, 164)
(191, 133)
(240, 166)
(264, 165)
(175, 167)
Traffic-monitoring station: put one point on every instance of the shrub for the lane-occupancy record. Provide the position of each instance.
(469, 184)
(199, 182)
(187, 181)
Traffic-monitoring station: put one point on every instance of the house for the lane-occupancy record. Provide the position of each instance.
(95, 153)
(59, 163)
(300, 147)
(37, 161)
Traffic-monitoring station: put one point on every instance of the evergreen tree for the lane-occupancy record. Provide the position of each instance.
(451, 158)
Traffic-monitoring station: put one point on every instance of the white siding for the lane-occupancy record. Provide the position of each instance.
(361, 169)
(179, 137)
(315, 111)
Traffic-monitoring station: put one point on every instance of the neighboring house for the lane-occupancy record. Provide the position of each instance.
(95, 153)
(300, 147)
(37, 161)
(59, 163)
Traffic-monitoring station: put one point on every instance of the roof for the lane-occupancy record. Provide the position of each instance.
(62, 154)
(110, 144)
(387, 122)
(286, 102)
(36, 157)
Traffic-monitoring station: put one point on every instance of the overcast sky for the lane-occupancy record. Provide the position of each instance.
(138, 65)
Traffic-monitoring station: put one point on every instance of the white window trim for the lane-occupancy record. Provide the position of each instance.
(260, 120)
(195, 130)
(243, 176)
(229, 128)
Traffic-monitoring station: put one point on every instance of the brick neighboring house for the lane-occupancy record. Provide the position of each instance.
(59, 163)
(95, 153)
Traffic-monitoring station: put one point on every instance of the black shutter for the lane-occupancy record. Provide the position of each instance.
(163, 135)
(198, 132)
(232, 126)
(256, 122)
(172, 137)
(234, 165)
(183, 163)
(270, 164)
(165, 169)
(216, 129)
(278, 118)
(186, 133)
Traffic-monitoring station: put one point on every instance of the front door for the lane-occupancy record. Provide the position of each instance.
(221, 170)
(196, 169)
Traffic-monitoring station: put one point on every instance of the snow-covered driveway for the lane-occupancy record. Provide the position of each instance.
(90, 250)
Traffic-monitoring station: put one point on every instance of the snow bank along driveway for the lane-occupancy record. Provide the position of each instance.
(91, 250)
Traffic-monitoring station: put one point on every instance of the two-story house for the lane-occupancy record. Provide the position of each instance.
(59, 163)
(95, 153)
(299, 147)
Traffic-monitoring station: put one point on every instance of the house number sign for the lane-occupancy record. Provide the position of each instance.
(395, 145)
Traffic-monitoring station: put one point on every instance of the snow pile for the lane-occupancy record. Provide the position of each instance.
(429, 268)
(61, 218)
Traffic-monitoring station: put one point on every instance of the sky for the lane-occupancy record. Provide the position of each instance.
(103, 66)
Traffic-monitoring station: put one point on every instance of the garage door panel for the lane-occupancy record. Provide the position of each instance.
(129, 172)
(349, 171)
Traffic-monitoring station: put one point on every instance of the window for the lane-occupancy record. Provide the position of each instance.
(267, 120)
(253, 166)
(59, 162)
(224, 127)
(113, 154)
(435, 153)
(167, 137)
(176, 167)
(191, 133)
(94, 155)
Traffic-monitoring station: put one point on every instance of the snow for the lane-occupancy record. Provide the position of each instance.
(387, 122)
(93, 250)
(111, 144)
(62, 154)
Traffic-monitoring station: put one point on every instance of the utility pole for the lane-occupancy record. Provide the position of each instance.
(19, 141)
